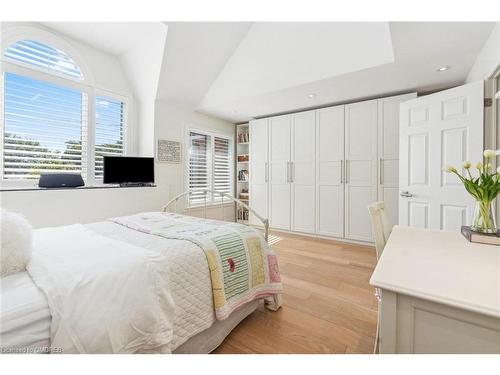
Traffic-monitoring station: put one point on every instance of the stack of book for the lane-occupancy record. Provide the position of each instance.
(243, 175)
(243, 138)
(484, 238)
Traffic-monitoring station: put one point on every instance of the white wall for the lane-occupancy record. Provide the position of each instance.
(143, 65)
(62, 207)
(488, 59)
(172, 123)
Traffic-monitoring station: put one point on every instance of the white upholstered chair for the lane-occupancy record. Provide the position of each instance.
(381, 229)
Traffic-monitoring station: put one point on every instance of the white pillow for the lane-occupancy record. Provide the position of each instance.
(16, 243)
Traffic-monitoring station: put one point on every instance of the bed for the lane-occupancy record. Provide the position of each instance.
(195, 322)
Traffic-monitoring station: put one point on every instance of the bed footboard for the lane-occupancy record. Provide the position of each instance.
(179, 203)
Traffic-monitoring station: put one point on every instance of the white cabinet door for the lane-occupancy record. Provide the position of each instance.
(259, 169)
(279, 172)
(361, 168)
(303, 175)
(330, 171)
(445, 128)
(388, 152)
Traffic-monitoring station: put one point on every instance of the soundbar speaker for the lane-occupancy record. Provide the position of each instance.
(60, 180)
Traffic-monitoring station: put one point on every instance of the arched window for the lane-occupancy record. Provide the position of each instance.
(43, 56)
(53, 119)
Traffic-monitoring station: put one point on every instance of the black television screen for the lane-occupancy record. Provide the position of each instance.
(124, 169)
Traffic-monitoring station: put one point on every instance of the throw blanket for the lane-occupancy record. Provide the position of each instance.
(242, 265)
(105, 296)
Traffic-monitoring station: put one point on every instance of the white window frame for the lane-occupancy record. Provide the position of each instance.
(84, 85)
(211, 201)
(91, 130)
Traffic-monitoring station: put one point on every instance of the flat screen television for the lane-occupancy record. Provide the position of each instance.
(125, 170)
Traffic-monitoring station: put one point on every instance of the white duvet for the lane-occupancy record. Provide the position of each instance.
(108, 294)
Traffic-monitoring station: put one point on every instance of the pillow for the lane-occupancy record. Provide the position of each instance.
(16, 243)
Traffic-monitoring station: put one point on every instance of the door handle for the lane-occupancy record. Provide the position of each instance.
(287, 171)
(266, 172)
(406, 194)
(292, 173)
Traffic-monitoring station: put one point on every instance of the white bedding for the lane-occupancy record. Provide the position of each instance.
(188, 282)
(25, 316)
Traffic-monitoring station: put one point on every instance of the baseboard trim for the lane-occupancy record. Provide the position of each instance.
(322, 237)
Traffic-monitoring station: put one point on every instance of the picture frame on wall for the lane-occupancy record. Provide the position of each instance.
(168, 151)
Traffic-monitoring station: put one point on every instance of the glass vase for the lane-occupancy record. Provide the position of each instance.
(483, 220)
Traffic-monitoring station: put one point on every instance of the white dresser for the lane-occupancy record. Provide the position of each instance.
(440, 293)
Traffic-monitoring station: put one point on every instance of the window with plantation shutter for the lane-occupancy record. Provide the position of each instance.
(222, 165)
(199, 161)
(109, 131)
(46, 123)
(43, 57)
(44, 126)
(210, 166)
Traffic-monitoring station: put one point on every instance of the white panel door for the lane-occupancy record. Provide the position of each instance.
(388, 152)
(303, 171)
(330, 171)
(440, 129)
(279, 172)
(259, 169)
(361, 168)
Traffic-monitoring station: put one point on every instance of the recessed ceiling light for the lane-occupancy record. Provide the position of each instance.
(311, 96)
(444, 68)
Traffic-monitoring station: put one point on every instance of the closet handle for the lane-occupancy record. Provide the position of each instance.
(266, 172)
(287, 171)
(292, 167)
(380, 171)
(341, 172)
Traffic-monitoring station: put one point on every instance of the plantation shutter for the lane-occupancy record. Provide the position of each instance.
(44, 125)
(43, 57)
(222, 180)
(199, 166)
(109, 131)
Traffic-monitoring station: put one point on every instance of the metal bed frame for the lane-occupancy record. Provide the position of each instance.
(188, 193)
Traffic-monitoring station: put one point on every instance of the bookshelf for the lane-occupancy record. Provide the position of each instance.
(242, 170)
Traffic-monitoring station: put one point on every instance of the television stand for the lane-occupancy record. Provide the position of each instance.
(135, 184)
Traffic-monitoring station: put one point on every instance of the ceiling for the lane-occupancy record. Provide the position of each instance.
(419, 49)
(115, 38)
(240, 70)
(195, 54)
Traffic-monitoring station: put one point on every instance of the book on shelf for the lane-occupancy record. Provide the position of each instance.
(243, 137)
(243, 214)
(484, 238)
(243, 175)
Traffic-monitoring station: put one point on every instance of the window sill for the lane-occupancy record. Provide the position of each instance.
(35, 188)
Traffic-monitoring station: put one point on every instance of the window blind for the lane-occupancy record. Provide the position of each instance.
(222, 174)
(44, 125)
(199, 162)
(43, 57)
(210, 166)
(109, 131)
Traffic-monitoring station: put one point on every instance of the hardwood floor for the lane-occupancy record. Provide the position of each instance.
(328, 305)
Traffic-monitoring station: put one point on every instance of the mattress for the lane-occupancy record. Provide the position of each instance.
(25, 317)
